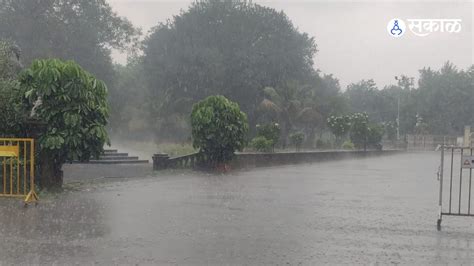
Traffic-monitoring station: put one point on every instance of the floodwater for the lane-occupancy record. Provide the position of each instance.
(366, 211)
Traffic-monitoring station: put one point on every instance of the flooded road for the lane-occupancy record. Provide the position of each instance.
(365, 211)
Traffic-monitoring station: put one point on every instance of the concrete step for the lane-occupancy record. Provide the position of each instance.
(117, 161)
(112, 156)
(119, 154)
(106, 157)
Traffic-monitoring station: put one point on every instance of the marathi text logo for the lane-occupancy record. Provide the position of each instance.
(396, 27)
(423, 27)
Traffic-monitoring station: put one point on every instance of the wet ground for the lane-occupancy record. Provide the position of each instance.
(366, 211)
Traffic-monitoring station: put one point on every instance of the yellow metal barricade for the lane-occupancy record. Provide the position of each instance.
(17, 174)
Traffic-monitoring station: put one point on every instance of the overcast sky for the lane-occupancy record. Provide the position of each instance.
(352, 37)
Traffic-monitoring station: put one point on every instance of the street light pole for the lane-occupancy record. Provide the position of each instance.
(398, 118)
(398, 113)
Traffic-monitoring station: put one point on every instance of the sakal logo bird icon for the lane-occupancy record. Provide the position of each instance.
(396, 27)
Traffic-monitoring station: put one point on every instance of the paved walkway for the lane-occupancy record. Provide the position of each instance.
(83, 172)
(366, 211)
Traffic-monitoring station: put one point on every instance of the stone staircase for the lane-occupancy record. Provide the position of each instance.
(112, 156)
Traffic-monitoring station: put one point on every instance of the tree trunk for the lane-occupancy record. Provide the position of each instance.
(51, 175)
(222, 168)
(311, 137)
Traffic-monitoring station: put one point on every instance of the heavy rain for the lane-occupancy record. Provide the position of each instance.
(236, 132)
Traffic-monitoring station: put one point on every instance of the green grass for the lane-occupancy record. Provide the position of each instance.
(176, 149)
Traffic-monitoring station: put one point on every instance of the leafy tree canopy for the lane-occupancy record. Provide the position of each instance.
(219, 128)
(233, 48)
(11, 112)
(73, 105)
(83, 31)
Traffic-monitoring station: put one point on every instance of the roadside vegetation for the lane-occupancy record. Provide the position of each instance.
(274, 98)
(219, 129)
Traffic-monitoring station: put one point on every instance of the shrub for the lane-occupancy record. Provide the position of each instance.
(321, 144)
(73, 105)
(359, 130)
(374, 136)
(260, 143)
(219, 128)
(339, 126)
(297, 139)
(348, 145)
(270, 132)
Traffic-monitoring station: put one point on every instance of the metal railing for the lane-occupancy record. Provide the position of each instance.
(458, 193)
(17, 164)
(194, 160)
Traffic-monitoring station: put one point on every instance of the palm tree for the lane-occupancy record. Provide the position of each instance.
(287, 106)
(309, 119)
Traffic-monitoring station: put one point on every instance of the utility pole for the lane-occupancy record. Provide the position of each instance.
(398, 118)
(398, 111)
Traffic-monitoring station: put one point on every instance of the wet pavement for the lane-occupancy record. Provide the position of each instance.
(366, 211)
(80, 172)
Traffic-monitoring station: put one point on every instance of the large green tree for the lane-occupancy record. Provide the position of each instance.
(233, 48)
(12, 114)
(83, 31)
(446, 98)
(73, 105)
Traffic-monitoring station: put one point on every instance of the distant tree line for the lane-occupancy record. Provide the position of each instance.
(441, 103)
(251, 54)
(256, 57)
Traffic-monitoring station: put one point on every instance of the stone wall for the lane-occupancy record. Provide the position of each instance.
(428, 142)
(250, 160)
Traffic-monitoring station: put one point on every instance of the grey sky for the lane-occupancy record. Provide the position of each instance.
(352, 38)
